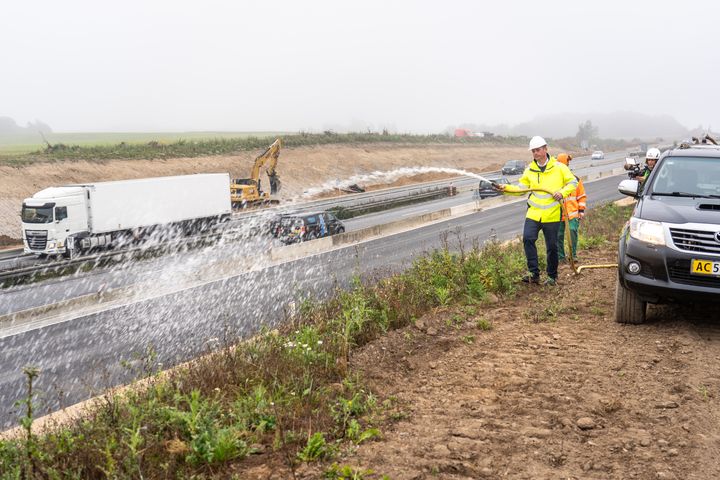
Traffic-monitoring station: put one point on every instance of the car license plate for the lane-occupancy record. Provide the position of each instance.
(705, 267)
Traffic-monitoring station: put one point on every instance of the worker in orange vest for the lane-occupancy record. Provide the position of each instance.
(575, 205)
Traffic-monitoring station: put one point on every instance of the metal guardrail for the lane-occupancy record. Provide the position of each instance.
(384, 204)
(367, 200)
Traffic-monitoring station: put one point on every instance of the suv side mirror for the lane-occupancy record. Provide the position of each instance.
(629, 187)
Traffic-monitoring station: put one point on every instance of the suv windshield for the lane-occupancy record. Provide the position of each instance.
(688, 176)
(42, 214)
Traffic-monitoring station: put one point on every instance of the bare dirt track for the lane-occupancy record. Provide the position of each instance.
(556, 389)
(299, 168)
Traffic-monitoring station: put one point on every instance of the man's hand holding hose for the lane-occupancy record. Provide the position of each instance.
(497, 186)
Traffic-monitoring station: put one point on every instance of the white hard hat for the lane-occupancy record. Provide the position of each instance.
(652, 154)
(537, 142)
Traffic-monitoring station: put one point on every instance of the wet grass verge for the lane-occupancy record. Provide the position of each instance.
(283, 398)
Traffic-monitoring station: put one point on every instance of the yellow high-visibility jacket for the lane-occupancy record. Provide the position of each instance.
(542, 207)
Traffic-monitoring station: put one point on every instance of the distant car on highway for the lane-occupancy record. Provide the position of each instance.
(299, 227)
(485, 188)
(597, 155)
(513, 167)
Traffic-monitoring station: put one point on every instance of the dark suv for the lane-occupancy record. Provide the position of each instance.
(670, 249)
(513, 167)
(485, 188)
(299, 227)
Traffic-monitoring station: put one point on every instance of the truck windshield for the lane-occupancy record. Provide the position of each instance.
(42, 214)
(688, 176)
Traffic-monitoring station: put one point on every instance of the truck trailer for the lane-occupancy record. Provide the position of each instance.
(73, 218)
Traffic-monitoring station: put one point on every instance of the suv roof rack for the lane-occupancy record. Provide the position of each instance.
(704, 140)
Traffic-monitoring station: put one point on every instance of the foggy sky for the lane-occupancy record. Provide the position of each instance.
(413, 66)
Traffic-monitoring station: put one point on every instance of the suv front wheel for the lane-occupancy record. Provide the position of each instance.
(629, 308)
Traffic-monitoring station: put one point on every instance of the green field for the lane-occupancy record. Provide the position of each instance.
(29, 143)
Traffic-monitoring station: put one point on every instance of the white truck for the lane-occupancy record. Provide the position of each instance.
(69, 219)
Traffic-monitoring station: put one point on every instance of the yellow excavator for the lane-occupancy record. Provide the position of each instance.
(246, 192)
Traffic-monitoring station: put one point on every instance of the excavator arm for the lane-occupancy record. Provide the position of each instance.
(273, 155)
(270, 155)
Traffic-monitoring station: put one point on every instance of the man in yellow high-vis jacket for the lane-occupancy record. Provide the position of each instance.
(544, 212)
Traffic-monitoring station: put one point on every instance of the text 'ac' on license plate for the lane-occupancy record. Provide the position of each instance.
(705, 267)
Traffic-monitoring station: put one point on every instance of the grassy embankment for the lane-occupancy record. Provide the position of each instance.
(198, 144)
(283, 398)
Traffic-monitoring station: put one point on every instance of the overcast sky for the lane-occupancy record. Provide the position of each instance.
(415, 66)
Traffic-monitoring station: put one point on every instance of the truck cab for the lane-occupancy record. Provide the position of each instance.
(51, 218)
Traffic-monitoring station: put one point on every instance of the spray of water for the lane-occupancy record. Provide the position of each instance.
(384, 178)
(178, 301)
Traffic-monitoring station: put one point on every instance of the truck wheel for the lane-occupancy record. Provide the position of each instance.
(628, 306)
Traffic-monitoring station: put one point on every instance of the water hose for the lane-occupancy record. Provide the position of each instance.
(568, 237)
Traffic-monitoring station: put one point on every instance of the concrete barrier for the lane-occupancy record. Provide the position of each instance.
(464, 209)
(389, 228)
(24, 316)
(297, 250)
(105, 298)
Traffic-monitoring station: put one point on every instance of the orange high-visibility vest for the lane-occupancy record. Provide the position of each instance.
(576, 202)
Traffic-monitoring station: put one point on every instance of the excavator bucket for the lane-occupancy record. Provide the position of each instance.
(274, 184)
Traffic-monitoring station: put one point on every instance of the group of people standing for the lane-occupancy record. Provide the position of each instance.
(551, 184)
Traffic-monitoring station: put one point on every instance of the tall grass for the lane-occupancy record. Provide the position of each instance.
(601, 226)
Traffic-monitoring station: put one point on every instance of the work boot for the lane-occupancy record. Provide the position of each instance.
(530, 278)
(550, 282)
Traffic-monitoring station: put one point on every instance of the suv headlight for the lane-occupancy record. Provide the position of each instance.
(647, 231)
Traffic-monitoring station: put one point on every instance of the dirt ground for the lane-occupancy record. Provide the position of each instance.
(299, 169)
(556, 389)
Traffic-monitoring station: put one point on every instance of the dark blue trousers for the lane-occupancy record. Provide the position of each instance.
(531, 230)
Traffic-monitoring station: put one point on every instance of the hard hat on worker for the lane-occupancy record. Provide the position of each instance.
(652, 154)
(564, 158)
(537, 142)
